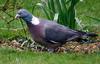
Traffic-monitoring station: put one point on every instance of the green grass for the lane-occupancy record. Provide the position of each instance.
(89, 8)
(11, 56)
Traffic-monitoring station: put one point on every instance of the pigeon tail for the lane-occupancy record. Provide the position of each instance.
(91, 34)
(84, 35)
(87, 34)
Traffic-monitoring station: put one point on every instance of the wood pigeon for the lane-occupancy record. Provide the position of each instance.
(49, 33)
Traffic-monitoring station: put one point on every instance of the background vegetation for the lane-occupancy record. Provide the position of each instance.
(88, 16)
(83, 10)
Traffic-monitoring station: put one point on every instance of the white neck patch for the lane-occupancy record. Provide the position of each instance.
(35, 21)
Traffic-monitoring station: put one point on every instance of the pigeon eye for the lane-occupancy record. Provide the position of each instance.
(19, 13)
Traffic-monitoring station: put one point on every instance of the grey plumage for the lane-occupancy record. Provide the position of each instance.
(48, 33)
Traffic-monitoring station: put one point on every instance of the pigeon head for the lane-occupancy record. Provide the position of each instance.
(24, 14)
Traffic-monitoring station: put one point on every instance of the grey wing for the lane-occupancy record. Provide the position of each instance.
(59, 33)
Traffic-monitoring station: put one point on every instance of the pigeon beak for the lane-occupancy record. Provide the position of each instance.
(17, 16)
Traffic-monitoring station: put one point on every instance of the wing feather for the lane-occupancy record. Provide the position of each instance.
(59, 33)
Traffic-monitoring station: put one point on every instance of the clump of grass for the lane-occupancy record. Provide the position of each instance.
(63, 11)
